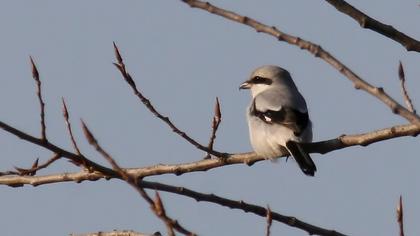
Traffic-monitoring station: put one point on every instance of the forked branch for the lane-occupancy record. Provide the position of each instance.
(314, 49)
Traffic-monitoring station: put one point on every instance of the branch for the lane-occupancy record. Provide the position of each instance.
(407, 98)
(316, 50)
(155, 205)
(35, 167)
(367, 22)
(68, 125)
(217, 118)
(207, 164)
(117, 233)
(55, 149)
(35, 75)
(127, 77)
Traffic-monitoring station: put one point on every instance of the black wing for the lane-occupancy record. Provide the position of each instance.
(286, 116)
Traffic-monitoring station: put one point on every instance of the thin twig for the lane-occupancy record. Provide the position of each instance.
(127, 77)
(217, 118)
(116, 233)
(35, 166)
(156, 205)
(66, 116)
(407, 98)
(400, 216)
(269, 221)
(368, 22)
(314, 49)
(35, 75)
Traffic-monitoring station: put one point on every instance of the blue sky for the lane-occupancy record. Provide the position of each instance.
(182, 58)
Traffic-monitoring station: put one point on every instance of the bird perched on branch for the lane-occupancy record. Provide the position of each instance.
(278, 117)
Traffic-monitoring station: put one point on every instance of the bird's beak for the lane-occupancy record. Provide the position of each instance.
(245, 85)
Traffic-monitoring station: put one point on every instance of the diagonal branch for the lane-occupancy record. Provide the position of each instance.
(316, 50)
(407, 98)
(127, 77)
(367, 22)
(35, 75)
(155, 205)
(68, 125)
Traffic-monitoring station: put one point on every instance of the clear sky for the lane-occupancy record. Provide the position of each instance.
(182, 58)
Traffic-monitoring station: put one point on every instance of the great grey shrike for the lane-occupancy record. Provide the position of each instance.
(278, 117)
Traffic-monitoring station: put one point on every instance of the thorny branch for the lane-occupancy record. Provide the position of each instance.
(127, 77)
(407, 98)
(368, 22)
(35, 75)
(316, 50)
(156, 205)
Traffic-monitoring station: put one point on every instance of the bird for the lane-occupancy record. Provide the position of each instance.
(278, 116)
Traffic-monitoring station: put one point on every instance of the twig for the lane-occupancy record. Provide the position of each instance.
(407, 98)
(116, 233)
(203, 165)
(156, 205)
(55, 149)
(35, 75)
(35, 167)
(217, 118)
(314, 49)
(400, 216)
(269, 221)
(367, 22)
(127, 77)
(68, 125)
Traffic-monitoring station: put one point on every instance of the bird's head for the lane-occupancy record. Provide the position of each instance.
(266, 77)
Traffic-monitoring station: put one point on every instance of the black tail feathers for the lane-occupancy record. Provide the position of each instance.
(303, 159)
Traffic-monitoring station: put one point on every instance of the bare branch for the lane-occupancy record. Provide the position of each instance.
(55, 149)
(66, 116)
(314, 49)
(155, 205)
(121, 67)
(35, 75)
(217, 118)
(117, 233)
(407, 98)
(203, 165)
(367, 22)
(400, 216)
(246, 207)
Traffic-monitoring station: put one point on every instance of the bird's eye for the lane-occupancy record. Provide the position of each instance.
(257, 78)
